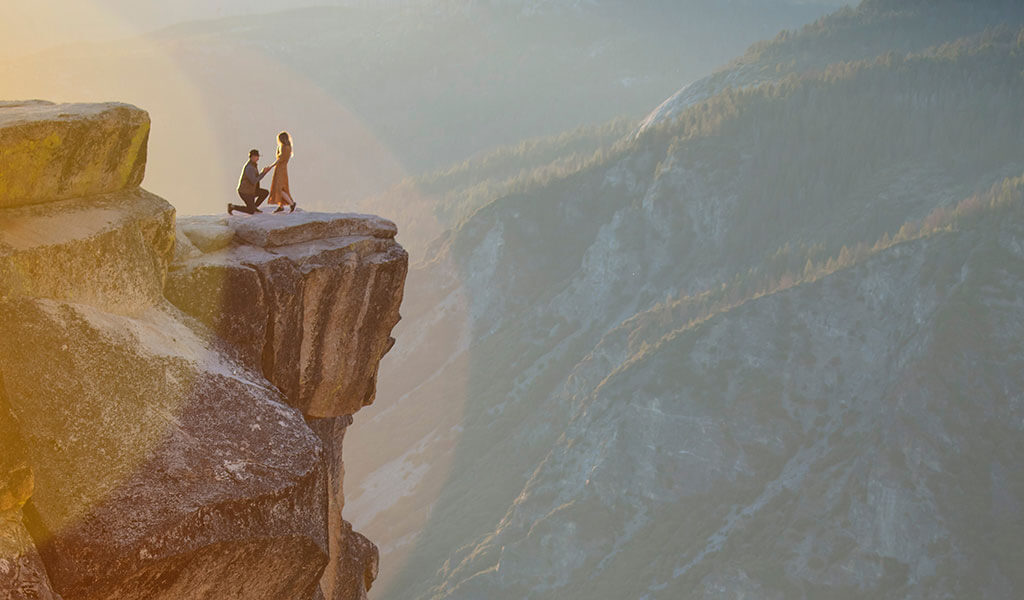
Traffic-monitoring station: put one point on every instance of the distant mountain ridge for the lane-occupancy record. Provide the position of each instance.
(631, 395)
(864, 33)
(874, 27)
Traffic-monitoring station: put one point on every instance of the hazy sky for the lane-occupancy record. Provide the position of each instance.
(29, 26)
(32, 25)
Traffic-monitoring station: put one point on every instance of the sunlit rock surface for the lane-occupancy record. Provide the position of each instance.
(161, 467)
(310, 297)
(22, 574)
(144, 452)
(110, 251)
(53, 152)
(16, 477)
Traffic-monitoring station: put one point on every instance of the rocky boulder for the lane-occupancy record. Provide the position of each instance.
(309, 298)
(306, 227)
(22, 574)
(52, 152)
(161, 467)
(110, 251)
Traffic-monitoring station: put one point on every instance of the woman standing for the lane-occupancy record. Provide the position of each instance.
(280, 194)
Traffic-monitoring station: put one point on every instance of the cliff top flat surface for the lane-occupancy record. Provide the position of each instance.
(14, 112)
(212, 232)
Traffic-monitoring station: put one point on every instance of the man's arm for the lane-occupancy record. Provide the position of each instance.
(252, 175)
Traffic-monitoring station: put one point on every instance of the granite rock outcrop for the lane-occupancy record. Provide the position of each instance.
(110, 251)
(22, 574)
(160, 467)
(354, 560)
(309, 298)
(173, 395)
(58, 151)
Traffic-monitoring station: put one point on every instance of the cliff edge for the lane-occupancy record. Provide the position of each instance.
(173, 395)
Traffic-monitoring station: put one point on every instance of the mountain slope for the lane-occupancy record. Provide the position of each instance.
(743, 191)
(850, 435)
(434, 202)
(871, 29)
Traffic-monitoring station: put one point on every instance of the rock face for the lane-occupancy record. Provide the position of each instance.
(159, 466)
(53, 152)
(110, 251)
(849, 435)
(310, 298)
(16, 477)
(354, 559)
(144, 452)
(22, 574)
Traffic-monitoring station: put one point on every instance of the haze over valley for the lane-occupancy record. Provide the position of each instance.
(698, 299)
(374, 92)
(658, 371)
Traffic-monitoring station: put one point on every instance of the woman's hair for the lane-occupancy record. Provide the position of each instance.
(284, 139)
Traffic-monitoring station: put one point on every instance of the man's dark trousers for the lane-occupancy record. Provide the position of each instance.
(251, 202)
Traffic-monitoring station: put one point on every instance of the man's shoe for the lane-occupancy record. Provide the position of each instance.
(279, 208)
(230, 209)
(291, 208)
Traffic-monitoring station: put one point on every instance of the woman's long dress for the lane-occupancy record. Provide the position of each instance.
(280, 181)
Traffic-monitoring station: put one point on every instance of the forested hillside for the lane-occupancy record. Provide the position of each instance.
(438, 200)
(873, 31)
(870, 29)
(802, 239)
(841, 434)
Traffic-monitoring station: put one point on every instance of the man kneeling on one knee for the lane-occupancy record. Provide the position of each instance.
(249, 189)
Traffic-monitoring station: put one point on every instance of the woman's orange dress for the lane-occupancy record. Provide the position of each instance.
(280, 181)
